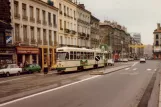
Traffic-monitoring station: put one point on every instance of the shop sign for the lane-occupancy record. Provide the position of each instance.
(8, 36)
(25, 50)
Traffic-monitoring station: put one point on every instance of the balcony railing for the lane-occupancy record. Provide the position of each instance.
(67, 30)
(33, 41)
(73, 32)
(39, 42)
(26, 40)
(25, 18)
(45, 42)
(32, 19)
(44, 23)
(50, 24)
(38, 21)
(17, 16)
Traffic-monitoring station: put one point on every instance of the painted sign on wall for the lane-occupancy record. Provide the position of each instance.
(8, 37)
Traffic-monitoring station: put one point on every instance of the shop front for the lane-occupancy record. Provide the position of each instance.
(47, 59)
(28, 55)
(7, 55)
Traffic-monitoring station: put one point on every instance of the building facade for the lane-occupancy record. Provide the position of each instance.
(137, 37)
(116, 38)
(7, 50)
(95, 37)
(157, 42)
(35, 31)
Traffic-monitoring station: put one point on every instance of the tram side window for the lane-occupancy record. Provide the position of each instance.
(75, 55)
(82, 55)
(92, 55)
(78, 55)
(67, 56)
(88, 55)
(71, 55)
(85, 55)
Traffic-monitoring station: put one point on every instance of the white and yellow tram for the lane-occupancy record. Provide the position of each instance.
(76, 59)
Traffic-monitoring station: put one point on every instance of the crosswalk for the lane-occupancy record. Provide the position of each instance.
(135, 69)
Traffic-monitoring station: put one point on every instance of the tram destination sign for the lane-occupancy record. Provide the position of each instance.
(97, 58)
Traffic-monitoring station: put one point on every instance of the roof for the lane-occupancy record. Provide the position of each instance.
(157, 31)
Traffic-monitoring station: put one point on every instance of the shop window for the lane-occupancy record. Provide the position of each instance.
(71, 55)
(34, 59)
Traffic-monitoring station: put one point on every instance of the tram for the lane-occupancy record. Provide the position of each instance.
(77, 59)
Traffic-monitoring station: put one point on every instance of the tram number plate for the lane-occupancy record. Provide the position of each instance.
(97, 58)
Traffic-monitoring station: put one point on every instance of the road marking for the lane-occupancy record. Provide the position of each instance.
(134, 69)
(127, 69)
(47, 91)
(148, 69)
(134, 64)
(155, 69)
(1, 82)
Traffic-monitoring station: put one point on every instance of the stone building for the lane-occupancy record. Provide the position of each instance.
(116, 38)
(35, 28)
(7, 50)
(95, 37)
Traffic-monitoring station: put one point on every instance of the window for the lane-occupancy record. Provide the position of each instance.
(44, 36)
(55, 37)
(75, 55)
(31, 12)
(65, 25)
(157, 43)
(49, 18)
(54, 19)
(24, 14)
(65, 9)
(60, 7)
(60, 24)
(157, 37)
(25, 32)
(38, 34)
(38, 14)
(50, 38)
(2, 42)
(16, 10)
(61, 40)
(65, 40)
(71, 55)
(74, 14)
(44, 17)
(17, 31)
(32, 32)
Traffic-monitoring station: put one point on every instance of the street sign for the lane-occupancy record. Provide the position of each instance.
(97, 58)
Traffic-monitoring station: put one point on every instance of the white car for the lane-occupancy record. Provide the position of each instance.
(124, 60)
(110, 62)
(10, 69)
(142, 60)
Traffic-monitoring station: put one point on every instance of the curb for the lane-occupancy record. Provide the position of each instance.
(104, 73)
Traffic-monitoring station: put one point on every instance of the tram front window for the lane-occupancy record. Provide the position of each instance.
(62, 56)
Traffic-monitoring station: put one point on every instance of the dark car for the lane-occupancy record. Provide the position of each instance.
(31, 68)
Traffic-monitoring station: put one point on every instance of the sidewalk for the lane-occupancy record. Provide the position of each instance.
(110, 70)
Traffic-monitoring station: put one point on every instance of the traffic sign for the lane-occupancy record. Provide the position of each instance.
(97, 58)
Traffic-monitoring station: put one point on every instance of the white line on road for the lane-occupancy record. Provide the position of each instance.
(148, 69)
(47, 91)
(155, 69)
(1, 82)
(127, 69)
(134, 69)
(134, 64)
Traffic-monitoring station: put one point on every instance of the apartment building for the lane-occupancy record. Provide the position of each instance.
(67, 21)
(95, 37)
(35, 27)
(83, 26)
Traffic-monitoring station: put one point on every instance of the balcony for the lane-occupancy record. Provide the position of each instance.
(50, 24)
(45, 42)
(44, 23)
(33, 41)
(65, 14)
(17, 16)
(25, 18)
(67, 30)
(32, 19)
(73, 32)
(26, 41)
(60, 12)
(61, 28)
(38, 21)
(51, 43)
(39, 42)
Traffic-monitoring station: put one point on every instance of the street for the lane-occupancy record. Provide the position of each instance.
(123, 88)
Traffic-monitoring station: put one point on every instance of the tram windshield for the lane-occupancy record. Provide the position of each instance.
(62, 55)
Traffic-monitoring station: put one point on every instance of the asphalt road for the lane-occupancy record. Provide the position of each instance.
(123, 88)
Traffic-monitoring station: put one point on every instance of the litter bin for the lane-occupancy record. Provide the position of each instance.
(45, 70)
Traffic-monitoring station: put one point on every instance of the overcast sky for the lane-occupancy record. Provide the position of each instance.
(139, 16)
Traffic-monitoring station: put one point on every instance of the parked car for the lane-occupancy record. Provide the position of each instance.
(110, 62)
(31, 68)
(10, 69)
(142, 60)
(124, 60)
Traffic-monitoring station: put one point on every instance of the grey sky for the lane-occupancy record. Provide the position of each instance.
(137, 15)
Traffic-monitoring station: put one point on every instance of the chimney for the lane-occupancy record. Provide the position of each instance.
(158, 26)
(82, 6)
